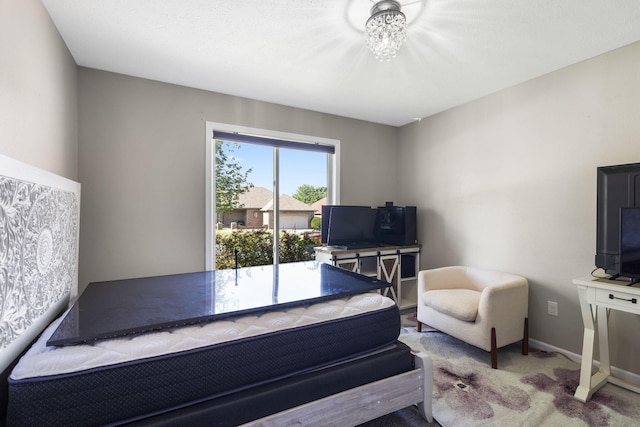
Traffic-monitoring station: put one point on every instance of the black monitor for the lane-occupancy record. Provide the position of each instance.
(630, 243)
(326, 215)
(351, 225)
(618, 187)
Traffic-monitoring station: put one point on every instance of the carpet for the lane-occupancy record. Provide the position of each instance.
(532, 390)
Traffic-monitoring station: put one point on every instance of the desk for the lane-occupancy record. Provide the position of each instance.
(597, 297)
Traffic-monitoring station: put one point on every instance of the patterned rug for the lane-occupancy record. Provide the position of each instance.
(532, 390)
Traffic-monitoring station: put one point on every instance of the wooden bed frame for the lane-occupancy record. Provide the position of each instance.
(364, 403)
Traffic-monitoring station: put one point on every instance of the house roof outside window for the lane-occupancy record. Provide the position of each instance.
(262, 199)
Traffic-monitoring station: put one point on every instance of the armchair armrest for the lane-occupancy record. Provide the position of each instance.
(505, 302)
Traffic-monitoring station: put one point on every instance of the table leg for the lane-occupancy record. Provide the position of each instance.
(603, 339)
(590, 383)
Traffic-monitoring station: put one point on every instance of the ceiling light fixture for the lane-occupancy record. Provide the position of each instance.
(385, 30)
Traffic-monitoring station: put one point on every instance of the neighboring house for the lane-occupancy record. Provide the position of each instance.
(257, 211)
(317, 206)
(249, 214)
(294, 214)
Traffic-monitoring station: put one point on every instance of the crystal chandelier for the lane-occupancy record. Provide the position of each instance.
(385, 30)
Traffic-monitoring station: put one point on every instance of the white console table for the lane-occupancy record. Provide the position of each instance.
(597, 297)
(398, 265)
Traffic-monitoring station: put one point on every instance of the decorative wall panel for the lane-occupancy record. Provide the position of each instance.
(39, 229)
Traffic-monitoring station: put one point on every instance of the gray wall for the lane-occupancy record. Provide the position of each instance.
(142, 167)
(38, 95)
(509, 182)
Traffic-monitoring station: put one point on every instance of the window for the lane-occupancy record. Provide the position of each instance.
(288, 152)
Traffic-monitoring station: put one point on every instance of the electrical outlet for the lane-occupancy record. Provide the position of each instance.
(552, 308)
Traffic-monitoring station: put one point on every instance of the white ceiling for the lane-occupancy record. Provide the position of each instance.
(310, 53)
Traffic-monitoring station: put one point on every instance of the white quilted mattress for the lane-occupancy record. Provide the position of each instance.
(42, 361)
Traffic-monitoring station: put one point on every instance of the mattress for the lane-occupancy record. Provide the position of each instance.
(129, 378)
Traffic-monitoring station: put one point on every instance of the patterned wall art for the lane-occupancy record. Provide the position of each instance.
(39, 229)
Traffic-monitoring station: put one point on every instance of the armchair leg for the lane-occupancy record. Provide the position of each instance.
(419, 326)
(494, 349)
(525, 337)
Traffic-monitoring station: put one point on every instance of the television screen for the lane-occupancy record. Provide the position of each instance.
(326, 214)
(630, 242)
(618, 187)
(349, 225)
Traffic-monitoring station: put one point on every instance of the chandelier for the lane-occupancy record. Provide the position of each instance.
(385, 30)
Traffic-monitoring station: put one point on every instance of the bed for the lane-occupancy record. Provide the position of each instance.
(331, 358)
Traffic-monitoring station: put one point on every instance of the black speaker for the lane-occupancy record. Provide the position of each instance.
(410, 232)
(396, 225)
(408, 265)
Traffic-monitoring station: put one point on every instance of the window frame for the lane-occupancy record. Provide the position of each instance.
(333, 174)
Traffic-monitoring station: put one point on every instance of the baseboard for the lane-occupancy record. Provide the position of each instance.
(626, 376)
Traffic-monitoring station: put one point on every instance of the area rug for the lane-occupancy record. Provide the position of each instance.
(532, 390)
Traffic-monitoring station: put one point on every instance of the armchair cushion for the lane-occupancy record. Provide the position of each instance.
(459, 303)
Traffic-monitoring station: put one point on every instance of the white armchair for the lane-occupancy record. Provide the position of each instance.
(487, 309)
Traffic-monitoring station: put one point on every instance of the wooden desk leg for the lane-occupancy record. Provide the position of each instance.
(588, 383)
(603, 339)
(588, 341)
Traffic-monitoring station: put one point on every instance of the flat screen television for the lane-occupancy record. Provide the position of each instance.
(326, 214)
(618, 187)
(351, 226)
(630, 243)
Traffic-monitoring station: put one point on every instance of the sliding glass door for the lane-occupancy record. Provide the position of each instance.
(264, 190)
